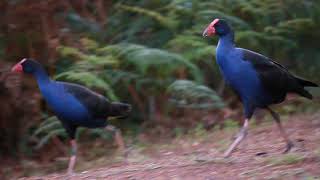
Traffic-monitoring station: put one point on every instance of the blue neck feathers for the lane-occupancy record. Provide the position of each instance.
(41, 76)
(226, 42)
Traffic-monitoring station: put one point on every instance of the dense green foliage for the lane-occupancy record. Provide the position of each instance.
(150, 53)
(187, 94)
(170, 32)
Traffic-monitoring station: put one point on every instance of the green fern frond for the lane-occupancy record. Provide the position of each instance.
(48, 127)
(207, 15)
(165, 21)
(46, 139)
(191, 47)
(71, 52)
(49, 120)
(291, 27)
(89, 44)
(79, 24)
(101, 133)
(187, 94)
(150, 61)
(88, 79)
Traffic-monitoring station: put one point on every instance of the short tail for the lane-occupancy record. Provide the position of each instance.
(305, 83)
(119, 109)
(305, 93)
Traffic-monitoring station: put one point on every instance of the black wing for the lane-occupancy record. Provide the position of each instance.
(276, 79)
(97, 105)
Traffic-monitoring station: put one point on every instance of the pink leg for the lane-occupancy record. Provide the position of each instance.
(283, 133)
(117, 136)
(119, 140)
(241, 135)
(73, 157)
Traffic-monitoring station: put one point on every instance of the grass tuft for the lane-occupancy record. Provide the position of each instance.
(286, 159)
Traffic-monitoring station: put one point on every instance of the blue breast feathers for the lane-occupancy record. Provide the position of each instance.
(64, 105)
(243, 78)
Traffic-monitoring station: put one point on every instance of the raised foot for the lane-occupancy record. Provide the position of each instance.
(288, 148)
(227, 153)
(69, 175)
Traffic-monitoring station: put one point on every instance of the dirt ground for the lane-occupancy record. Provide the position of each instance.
(200, 156)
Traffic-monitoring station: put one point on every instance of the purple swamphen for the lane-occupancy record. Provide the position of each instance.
(256, 79)
(75, 105)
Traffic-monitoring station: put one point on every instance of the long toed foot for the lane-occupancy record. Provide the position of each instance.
(288, 147)
(276, 117)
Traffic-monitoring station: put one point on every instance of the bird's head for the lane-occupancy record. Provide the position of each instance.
(217, 27)
(26, 65)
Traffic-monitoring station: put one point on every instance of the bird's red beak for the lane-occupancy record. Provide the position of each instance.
(210, 30)
(18, 67)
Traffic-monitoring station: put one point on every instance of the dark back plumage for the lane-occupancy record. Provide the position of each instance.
(275, 78)
(97, 105)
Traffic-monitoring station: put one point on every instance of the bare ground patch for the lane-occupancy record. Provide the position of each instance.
(200, 156)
